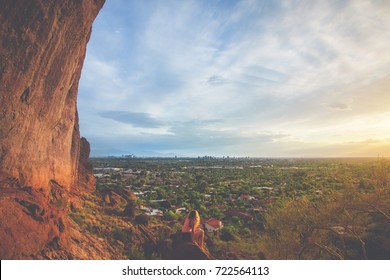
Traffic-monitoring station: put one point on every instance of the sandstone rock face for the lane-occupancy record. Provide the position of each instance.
(42, 49)
(86, 180)
(43, 45)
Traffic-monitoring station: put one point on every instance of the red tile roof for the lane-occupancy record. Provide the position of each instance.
(214, 223)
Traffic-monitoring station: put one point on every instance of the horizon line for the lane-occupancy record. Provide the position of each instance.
(241, 157)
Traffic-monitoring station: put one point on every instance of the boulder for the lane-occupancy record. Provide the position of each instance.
(188, 250)
(130, 210)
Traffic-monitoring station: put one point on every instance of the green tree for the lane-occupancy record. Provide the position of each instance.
(216, 213)
(171, 216)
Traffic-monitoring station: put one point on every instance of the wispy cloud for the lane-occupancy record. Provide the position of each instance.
(337, 106)
(134, 118)
(216, 80)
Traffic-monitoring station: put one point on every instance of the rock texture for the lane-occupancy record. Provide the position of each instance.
(188, 250)
(42, 49)
(43, 45)
(86, 180)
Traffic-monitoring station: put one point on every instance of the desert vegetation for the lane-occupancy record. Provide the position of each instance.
(268, 208)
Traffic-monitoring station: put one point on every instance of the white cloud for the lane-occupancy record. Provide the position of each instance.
(299, 68)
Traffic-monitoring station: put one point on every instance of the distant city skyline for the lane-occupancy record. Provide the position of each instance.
(238, 78)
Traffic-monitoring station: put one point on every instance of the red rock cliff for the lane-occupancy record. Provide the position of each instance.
(42, 49)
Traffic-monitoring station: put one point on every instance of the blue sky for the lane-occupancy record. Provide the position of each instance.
(238, 78)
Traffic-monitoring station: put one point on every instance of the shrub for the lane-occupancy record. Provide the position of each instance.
(77, 218)
(121, 235)
(142, 219)
(135, 253)
(347, 224)
(228, 233)
(130, 209)
(170, 216)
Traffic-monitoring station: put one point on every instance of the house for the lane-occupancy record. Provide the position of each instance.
(244, 216)
(179, 209)
(155, 212)
(266, 189)
(157, 200)
(259, 209)
(144, 208)
(212, 225)
(150, 212)
(246, 197)
(269, 201)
